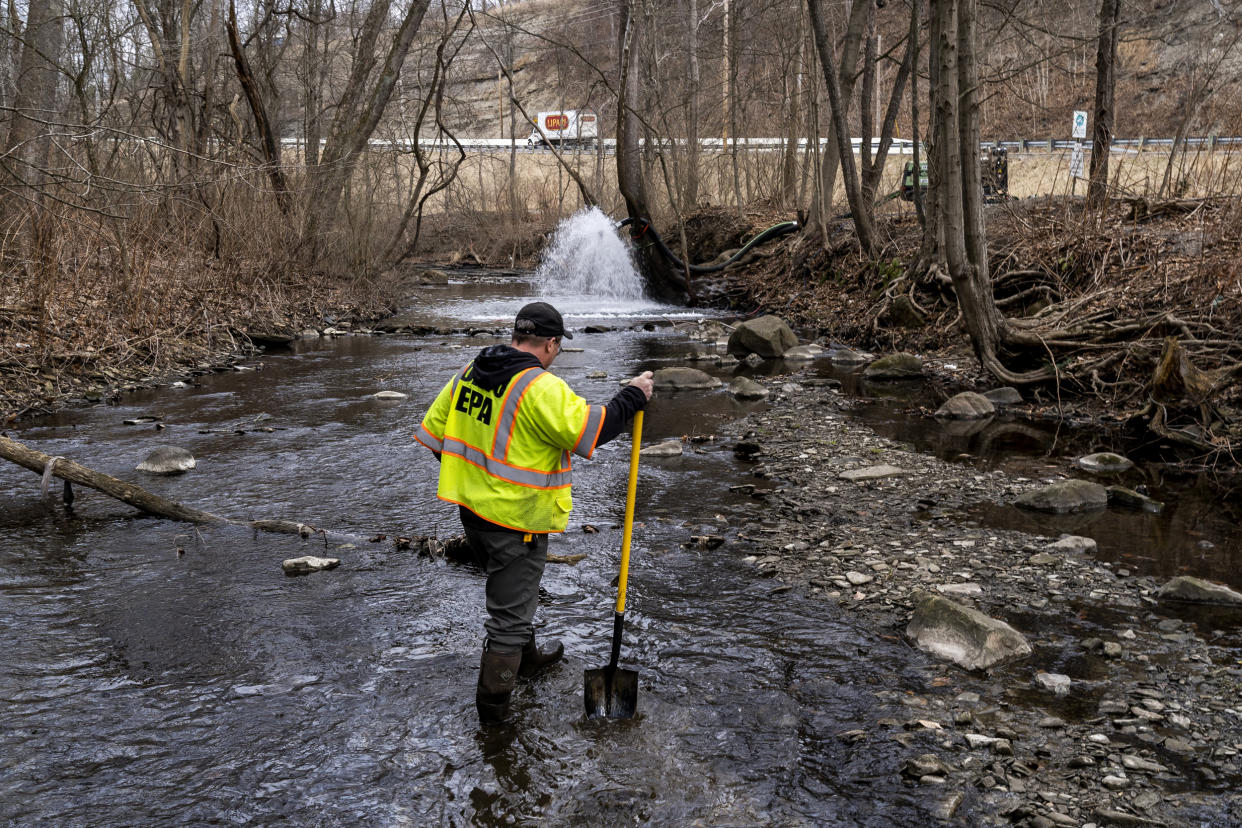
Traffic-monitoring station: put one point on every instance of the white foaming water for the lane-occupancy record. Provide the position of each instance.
(586, 272)
(588, 258)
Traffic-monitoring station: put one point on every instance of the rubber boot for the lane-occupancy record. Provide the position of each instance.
(497, 674)
(534, 659)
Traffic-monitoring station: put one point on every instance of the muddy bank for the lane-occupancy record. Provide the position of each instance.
(90, 341)
(1126, 712)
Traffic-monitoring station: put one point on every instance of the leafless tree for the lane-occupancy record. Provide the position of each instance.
(1105, 94)
(839, 95)
(659, 277)
(359, 107)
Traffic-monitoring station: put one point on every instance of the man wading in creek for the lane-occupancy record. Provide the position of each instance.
(502, 429)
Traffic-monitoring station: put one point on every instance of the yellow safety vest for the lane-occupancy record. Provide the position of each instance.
(505, 456)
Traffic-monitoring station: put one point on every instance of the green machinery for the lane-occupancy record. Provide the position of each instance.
(993, 172)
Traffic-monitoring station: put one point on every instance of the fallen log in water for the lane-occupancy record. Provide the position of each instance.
(153, 504)
(73, 472)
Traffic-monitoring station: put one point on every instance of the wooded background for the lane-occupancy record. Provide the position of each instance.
(283, 135)
(179, 173)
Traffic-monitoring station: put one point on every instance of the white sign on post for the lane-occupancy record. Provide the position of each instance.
(1080, 124)
(1076, 160)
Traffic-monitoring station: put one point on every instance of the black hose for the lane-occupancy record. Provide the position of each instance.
(772, 232)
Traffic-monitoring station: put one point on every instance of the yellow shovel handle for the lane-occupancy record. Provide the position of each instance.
(629, 511)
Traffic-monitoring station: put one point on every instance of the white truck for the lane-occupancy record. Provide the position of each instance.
(571, 127)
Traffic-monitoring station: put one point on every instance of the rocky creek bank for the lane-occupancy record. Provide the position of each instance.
(1123, 710)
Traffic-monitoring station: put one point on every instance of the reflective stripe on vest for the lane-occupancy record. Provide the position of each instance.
(517, 388)
(510, 474)
(590, 431)
(428, 439)
(494, 463)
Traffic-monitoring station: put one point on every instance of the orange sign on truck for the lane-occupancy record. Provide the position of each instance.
(571, 126)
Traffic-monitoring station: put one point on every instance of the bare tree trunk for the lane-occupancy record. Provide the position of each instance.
(867, 94)
(72, 472)
(955, 156)
(960, 198)
(267, 137)
(821, 201)
(209, 49)
(731, 96)
(422, 189)
(793, 120)
(974, 296)
(152, 504)
(725, 54)
(35, 114)
(839, 104)
(968, 128)
(316, 62)
(932, 252)
(873, 166)
(916, 12)
(10, 56)
(513, 136)
(359, 109)
(175, 97)
(34, 104)
(1105, 87)
(690, 186)
(661, 280)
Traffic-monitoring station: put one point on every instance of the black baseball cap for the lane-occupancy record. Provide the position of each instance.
(540, 319)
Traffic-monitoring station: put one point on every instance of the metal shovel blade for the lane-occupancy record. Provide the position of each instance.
(611, 692)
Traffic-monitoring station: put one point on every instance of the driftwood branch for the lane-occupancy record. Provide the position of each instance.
(152, 504)
(73, 472)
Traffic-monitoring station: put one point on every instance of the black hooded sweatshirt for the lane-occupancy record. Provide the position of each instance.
(497, 364)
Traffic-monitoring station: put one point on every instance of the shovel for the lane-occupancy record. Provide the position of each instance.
(611, 691)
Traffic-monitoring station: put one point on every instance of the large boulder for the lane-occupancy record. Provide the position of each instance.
(1074, 545)
(432, 276)
(904, 314)
(768, 336)
(846, 356)
(1005, 395)
(1129, 499)
(276, 335)
(167, 460)
(684, 379)
(1104, 462)
(894, 366)
(1064, 497)
(962, 635)
(966, 406)
(1199, 591)
(745, 388)
(872, 473)
(1058, 684)
(668, 448)
(803, 353)
(307, 564)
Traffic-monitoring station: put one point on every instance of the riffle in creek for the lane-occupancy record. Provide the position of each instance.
(158, 673)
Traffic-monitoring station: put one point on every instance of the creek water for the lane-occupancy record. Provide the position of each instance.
(155, 673)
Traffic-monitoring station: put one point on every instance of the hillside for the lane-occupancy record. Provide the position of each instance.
(1180, 67)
